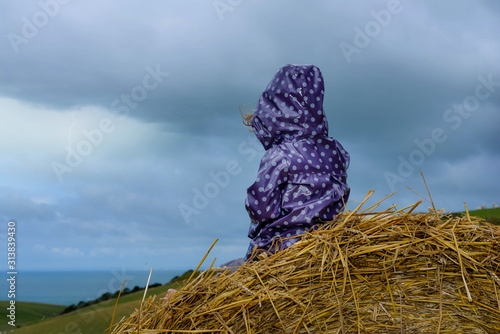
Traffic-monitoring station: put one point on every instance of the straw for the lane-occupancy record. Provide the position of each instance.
(391, 271)
(142, 302)
(203, 260)
(116, 305)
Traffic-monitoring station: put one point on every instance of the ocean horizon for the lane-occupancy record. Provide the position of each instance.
(62, 287)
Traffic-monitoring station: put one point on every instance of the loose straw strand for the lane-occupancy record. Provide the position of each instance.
(203, 260)
(116, 304)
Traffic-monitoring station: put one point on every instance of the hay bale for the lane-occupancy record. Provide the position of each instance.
(392, 271)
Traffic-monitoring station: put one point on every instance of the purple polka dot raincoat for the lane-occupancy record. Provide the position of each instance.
(302, 177)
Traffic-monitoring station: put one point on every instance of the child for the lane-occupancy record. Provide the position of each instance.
(302, 177)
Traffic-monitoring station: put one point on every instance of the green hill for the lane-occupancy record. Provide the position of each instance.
(94, 319)
(28, 313)
(490, 215)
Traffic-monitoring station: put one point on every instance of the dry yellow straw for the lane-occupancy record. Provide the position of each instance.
(202, 260)
(116, 304)
(142, 302)
(467, 211)
(392, 271)
(430, 197)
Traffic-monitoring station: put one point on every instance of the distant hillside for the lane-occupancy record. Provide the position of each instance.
(91, 319)
(28, 313)
(490, 215)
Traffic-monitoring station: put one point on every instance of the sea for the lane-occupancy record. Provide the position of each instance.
(71, 287)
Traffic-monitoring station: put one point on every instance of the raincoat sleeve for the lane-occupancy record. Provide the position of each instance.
(263, 201)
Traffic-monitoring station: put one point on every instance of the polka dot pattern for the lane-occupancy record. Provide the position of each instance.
(302, 177)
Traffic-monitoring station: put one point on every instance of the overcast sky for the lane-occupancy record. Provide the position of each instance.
(123, 145)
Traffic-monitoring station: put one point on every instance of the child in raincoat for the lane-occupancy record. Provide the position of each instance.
(302, 177)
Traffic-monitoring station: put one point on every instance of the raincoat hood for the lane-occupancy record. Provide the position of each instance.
(291, 106)
(302, 178)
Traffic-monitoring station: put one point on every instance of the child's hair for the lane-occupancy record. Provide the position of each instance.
(246, 118)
